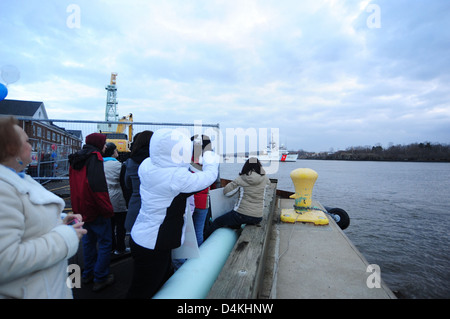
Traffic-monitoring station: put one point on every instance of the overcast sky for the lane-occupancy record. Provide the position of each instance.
(328, 74)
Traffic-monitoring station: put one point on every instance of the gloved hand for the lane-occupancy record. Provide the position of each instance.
(201, 145)
(206, 143)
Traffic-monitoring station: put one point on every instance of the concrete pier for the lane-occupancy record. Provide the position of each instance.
(296, 261)
(276, 260)
(320, 262)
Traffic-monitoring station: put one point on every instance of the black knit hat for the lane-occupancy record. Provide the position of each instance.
(109, 151)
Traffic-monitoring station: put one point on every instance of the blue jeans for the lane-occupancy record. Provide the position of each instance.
(233, 220)
(96, 261)
(199, 218)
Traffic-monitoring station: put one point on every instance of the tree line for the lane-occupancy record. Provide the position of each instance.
(415, 152)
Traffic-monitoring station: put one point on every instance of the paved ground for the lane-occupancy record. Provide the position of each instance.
(121, 267)
(319, 262)
(122, 274)
(304, 261)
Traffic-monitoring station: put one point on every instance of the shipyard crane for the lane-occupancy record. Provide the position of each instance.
(111, 100)
(115, 133)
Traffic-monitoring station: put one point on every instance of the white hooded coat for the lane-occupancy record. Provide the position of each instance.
(166, 183)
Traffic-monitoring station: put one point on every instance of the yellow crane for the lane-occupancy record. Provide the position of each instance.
(120, 138)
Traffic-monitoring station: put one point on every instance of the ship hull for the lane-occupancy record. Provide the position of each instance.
(280, 158)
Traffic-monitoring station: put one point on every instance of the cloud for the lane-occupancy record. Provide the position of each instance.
(313, 69)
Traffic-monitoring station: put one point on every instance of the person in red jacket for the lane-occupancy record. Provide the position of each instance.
(201, 198)
(200, 212)
(90, 198)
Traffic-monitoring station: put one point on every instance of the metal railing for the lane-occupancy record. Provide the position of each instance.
(50, 159)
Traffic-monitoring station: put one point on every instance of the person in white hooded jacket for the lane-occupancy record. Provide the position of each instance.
(166, 183)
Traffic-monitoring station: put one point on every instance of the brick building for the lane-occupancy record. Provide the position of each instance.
(51, 144)
(38, 129)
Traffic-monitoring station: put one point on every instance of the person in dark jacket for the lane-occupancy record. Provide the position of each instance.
(90, 198)
(139, 152)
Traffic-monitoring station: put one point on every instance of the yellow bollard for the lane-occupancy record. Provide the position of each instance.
(304, 180)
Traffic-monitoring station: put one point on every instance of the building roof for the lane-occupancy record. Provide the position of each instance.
(21, 108)
(77, 133)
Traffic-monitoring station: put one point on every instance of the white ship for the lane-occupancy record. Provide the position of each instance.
(275, 153)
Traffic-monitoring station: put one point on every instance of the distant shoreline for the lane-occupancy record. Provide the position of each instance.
(373, 160)
(417, 152)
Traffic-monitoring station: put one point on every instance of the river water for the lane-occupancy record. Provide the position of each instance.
(400, 216)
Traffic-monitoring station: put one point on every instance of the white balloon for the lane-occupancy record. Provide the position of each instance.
(10, 74)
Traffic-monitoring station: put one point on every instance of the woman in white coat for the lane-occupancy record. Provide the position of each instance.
(166, 183)
(35, 243)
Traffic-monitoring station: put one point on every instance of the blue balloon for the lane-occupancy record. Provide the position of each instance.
(3, 92)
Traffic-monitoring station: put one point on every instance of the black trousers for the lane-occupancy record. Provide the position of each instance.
(118, 231)
(151, 269)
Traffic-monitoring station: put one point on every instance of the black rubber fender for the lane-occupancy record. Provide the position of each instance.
(340, 216)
